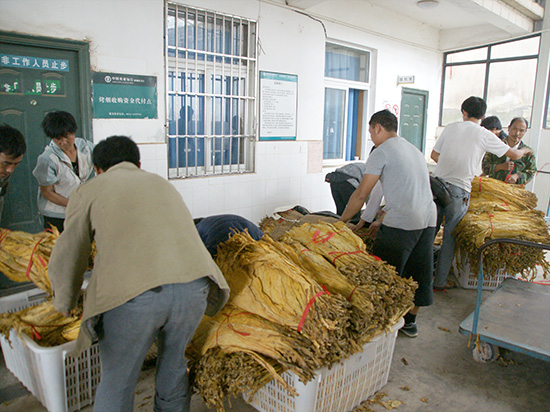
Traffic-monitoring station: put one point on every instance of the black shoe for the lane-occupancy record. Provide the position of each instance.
(410, 330)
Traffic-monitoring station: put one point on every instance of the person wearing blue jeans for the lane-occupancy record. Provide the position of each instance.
(153, 278)
(458, 153)
(453, 214)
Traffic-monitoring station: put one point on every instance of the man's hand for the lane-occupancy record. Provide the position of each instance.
(513, 178)
(509, 165)
(373, 228)
(359, 225)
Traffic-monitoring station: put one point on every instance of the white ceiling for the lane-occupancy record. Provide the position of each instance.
(460, 23)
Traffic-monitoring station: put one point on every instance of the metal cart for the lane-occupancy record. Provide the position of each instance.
(516, 316)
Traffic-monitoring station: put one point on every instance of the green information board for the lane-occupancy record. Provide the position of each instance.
(124, 96)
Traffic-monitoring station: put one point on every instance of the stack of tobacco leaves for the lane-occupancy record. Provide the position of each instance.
(490, 195)
(24, 256)
(45, 325)
(497, 210)
(277, 318)
(236, 336)
(280, 318)
(377, 282)
(268, 284)
(475, 229)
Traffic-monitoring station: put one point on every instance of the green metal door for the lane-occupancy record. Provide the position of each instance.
(414, 106)
(38, 75)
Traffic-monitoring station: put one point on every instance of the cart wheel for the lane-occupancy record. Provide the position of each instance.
(485, 352)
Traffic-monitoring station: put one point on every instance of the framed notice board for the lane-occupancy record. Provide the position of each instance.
(278, 106)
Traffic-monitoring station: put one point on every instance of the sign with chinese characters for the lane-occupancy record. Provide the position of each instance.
(278, 106)
(37, 63)
(124, 96)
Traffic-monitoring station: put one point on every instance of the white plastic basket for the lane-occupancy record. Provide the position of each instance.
(61, 383)
(467, 275)
(340, 387)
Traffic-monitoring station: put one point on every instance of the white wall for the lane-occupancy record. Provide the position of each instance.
(127, 36)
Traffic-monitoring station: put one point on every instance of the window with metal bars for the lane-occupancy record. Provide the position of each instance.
(211, 92)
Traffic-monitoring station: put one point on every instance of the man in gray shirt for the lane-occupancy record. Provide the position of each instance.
(12, 148)
(406, 235)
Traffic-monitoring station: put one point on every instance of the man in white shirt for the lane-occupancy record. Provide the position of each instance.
(458, 153)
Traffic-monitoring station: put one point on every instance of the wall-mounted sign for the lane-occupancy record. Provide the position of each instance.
(124, 96)
(278, 104)
(37, 63)
(405, 79)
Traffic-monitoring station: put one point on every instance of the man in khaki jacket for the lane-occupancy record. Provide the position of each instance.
(152, 276)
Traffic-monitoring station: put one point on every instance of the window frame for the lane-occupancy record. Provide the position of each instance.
(210, 66)
(347, 85)
(487, 61)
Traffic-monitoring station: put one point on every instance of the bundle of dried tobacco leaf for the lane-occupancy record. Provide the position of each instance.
(268, 284)
(43, 323)
(391, 295)
(490, 195)
(270, 349)
(476, 229)
(24, 256)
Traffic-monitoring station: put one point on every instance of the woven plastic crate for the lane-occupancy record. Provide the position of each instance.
(467, 275)
(340, 387)
(61, 383)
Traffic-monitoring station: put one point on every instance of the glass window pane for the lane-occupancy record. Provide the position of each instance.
(525, 47)
(511, 88)
(333, 125)
(461, 82)
(468, 55)
(346, 63)
(171, 27)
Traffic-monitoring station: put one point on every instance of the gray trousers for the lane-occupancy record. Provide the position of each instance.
(171, 313)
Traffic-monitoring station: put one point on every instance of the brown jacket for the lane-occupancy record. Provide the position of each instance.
(145, 237)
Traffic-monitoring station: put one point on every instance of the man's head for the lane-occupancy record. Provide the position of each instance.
(492, 123)
(474, 107)
(517, 129)
(59, 124)
(12, 148)
(115, 150)
(382, 124)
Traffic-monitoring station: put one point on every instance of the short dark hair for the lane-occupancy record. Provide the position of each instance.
(114, 150)
(59, 124)
(474, 107)
(386, 119)
(12, 142)
(523, 119)
(491, 123)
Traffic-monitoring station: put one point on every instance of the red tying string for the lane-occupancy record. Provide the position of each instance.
(376, 257)
(4, 234)
(340, 254)
(309, 305)
(352, 292)
(318, 238)
(304, 250)
(538, 171)
(231, 326)
(29, 266)
(35, 334)
(479, 190)
(506, 204)
(508, 177)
